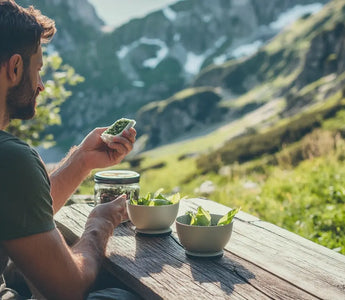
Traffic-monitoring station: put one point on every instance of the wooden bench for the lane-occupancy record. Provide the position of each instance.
(261, 261)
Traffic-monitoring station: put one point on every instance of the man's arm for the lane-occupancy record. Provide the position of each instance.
(90, 154)
(60, 272)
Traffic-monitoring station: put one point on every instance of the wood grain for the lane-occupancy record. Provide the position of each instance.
(261, 261)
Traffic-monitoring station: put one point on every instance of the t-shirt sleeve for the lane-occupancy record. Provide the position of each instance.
(25, 200)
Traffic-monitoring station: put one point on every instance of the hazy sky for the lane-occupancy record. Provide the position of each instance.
(116, 12)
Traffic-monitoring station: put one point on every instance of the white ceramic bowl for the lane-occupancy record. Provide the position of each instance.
(203, 240)
(152, 217)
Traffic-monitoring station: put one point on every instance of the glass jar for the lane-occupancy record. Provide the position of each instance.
(112, 183)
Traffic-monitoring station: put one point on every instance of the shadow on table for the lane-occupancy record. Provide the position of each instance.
(152, 256)
(148, 255)
(157, 251)
(223, 272)
(147, 258)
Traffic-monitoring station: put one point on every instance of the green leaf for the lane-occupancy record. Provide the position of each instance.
(174, 198)
(159, 202)
(227, 218)
(156, 199)
(159, 191)
(201, 218)
(133, 201)
(159, 196)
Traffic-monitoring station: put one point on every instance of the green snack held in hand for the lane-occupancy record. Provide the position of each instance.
(119, 126)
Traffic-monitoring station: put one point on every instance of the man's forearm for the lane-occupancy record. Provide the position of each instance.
(66, 178)
(90, 249)
(57, 271)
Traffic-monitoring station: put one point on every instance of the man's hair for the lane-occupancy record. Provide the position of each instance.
(22, 30)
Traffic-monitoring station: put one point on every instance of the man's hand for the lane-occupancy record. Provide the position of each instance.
(92, 153)
(98, 154)
(109, 214)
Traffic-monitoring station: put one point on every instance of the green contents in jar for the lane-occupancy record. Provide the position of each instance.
(111, 184)
(109, 194)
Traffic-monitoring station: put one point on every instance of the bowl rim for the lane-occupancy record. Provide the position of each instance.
(199, 226)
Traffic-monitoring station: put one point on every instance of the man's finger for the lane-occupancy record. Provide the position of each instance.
(122, 197)
(118, 149)
(123, 146)
(129, 134)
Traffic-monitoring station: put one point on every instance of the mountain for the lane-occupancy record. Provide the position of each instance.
(299, 76)
(310, 51)
(152, 58)
(271, 80)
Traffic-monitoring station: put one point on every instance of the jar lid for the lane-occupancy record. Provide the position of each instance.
(117, 176)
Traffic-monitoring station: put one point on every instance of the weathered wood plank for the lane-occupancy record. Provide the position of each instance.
(261, 261)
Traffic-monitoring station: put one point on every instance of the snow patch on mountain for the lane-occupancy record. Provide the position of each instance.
(291, 15)
(169, 13)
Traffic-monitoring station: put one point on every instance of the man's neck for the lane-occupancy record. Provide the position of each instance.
(4, 118)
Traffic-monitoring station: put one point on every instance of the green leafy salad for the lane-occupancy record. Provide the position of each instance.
(156, 199)
(202, 217)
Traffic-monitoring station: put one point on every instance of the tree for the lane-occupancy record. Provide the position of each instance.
(57, 77)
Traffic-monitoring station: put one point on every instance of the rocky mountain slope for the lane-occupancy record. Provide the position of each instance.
(151, 58)
(309, 85)
(301, 67)
(314, 52)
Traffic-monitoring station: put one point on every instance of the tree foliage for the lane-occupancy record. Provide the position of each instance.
(57, 78)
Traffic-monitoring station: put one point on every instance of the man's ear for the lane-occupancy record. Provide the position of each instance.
(15, 69)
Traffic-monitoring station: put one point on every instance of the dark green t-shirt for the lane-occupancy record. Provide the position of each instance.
(25, 201)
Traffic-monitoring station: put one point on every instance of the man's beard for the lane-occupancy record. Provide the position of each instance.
(21, 99)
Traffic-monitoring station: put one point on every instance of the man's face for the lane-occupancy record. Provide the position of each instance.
(21, 99)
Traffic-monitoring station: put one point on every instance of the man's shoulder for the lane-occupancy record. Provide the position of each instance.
(13, 149)
(10, 142)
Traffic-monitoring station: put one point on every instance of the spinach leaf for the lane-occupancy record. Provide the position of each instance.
(200, 218)
(226, 219)
(157, 199)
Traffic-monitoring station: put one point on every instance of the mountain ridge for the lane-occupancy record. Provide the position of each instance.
(291, 72)
(152, 58)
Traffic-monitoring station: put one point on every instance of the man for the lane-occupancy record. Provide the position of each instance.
(28, 196)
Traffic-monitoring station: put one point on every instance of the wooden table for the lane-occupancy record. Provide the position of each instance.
(261, 261)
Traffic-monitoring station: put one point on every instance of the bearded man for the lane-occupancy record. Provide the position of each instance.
(29, 197)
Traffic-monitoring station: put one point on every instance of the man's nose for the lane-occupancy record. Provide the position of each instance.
(40, 84)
